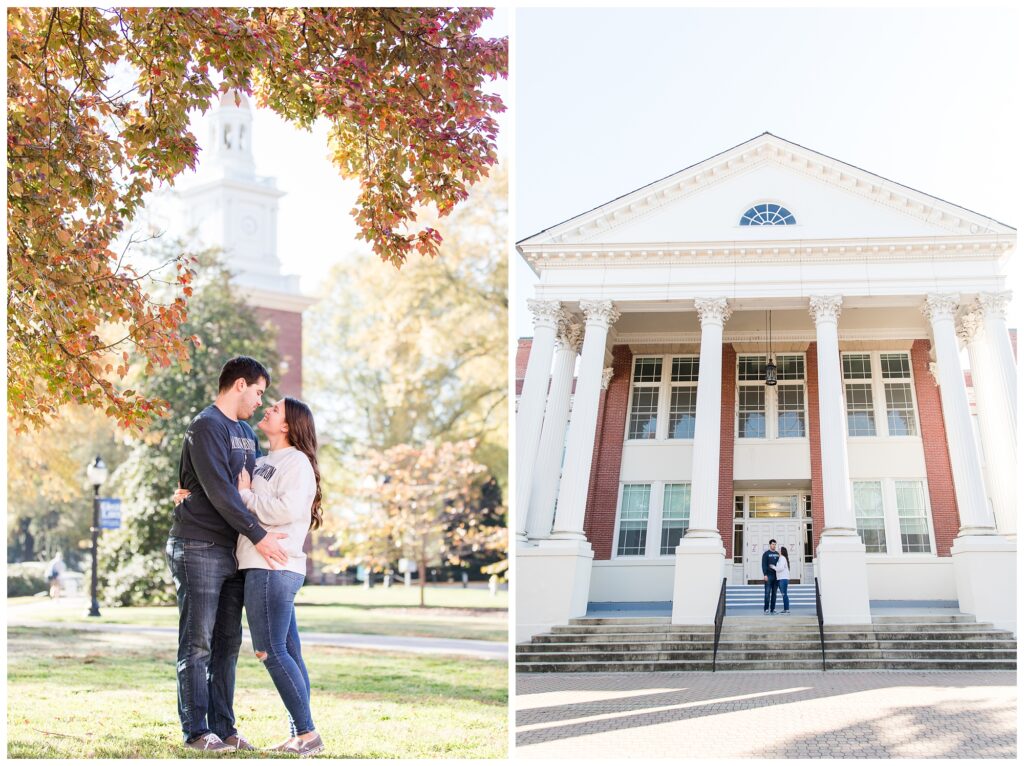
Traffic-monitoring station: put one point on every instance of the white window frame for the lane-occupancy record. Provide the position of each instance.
(878, 402)
(893, 538)
(665, 388)
(654, 519)
(771, 404)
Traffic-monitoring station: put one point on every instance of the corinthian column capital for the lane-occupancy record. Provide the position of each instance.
(939, 306)
(714, 310)
(994, 304)
(570, 335)
(600, 312)
(606, 377)
(968, 325)
(825, 308)
(548, 313)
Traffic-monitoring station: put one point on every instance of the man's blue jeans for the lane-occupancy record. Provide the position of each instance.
(771, 585)
(270, 608)
(210, 589)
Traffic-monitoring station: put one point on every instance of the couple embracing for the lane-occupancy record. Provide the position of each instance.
(775, 567)
(240, 521)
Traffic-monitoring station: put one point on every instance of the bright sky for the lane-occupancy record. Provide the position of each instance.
(607, 100)
(315, 230)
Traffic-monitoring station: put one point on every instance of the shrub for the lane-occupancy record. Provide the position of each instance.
(26, 579)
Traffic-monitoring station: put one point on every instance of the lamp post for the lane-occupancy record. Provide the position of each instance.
(97, 473)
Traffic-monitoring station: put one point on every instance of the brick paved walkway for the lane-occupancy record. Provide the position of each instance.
(774, 715)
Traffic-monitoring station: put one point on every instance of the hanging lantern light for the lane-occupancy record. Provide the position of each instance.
(770, 370)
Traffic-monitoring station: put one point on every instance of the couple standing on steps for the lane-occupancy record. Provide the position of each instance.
(775, 567)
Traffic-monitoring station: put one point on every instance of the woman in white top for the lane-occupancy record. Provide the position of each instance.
(781, 568)
(284, 495)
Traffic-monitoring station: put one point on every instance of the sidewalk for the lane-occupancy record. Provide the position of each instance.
(20, 616)
(767, 715)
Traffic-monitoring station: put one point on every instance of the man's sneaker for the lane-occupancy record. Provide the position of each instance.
(239, 742)
(210, 743)
(766, 611)
(296, 746)
(774, 612)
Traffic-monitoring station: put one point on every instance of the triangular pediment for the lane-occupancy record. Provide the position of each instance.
(828, 199)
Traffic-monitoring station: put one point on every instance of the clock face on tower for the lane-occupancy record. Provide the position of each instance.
(249, 225)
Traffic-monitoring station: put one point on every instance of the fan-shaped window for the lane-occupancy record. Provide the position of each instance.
(767, 214)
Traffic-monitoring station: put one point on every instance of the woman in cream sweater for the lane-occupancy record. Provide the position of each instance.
(284, 495)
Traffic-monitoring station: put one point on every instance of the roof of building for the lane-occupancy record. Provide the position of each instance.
(752, 145)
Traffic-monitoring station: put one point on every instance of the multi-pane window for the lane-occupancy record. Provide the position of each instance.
(636, 502)
(899, 398)
(675, 516)
(872, 378)
(752, 412)
(870, 514)
(913, 517)
(860, 407)
(682, 413)
(664, 390)
(643, 411)
(759, 406)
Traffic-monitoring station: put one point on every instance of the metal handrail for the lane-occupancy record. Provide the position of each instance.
(719, 617)
(821, 621)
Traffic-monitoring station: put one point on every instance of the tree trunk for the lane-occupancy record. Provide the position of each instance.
(423, 581)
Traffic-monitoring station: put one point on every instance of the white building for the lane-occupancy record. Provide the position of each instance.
(862, 459)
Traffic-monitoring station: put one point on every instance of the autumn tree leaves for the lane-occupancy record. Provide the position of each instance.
(98, 104)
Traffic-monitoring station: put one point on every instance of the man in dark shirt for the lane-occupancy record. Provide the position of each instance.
(771, 583)
(201, 553)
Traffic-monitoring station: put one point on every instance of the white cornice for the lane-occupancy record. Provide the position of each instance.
(859, 249)
(764, 149)
(793, 336)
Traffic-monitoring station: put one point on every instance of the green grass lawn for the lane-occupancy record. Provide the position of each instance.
(450, 612)
(86, 695)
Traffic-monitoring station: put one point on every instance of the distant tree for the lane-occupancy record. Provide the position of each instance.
(405, 359)
(414, 495)
(98, 115)
(132, 557)
(49, 503)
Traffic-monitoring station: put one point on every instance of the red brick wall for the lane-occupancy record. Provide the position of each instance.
(603, 493)
(288, 325)
(814, 432)
(945, 514)
(522, 358)
(726, 449)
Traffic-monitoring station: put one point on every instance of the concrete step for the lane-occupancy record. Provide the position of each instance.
(632, 646)
(612, 657)
(614, 667)
(620, 621)
(625, 636)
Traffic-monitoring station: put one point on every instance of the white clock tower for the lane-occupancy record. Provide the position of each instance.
(228, 206)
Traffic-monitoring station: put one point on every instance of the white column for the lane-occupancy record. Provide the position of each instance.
(553, 576)
(999, 443)
(984, 562)
(997, 338)
(572, 490)
(552, 437)
(546, 316)
(975, 517)
(841, 561)
(700, 555)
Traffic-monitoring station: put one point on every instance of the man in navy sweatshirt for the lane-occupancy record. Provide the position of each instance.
(201, 553)
(771, 583)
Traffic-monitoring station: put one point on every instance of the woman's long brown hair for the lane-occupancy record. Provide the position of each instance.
(302, 436)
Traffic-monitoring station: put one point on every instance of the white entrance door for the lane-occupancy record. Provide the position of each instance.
(786, 532)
